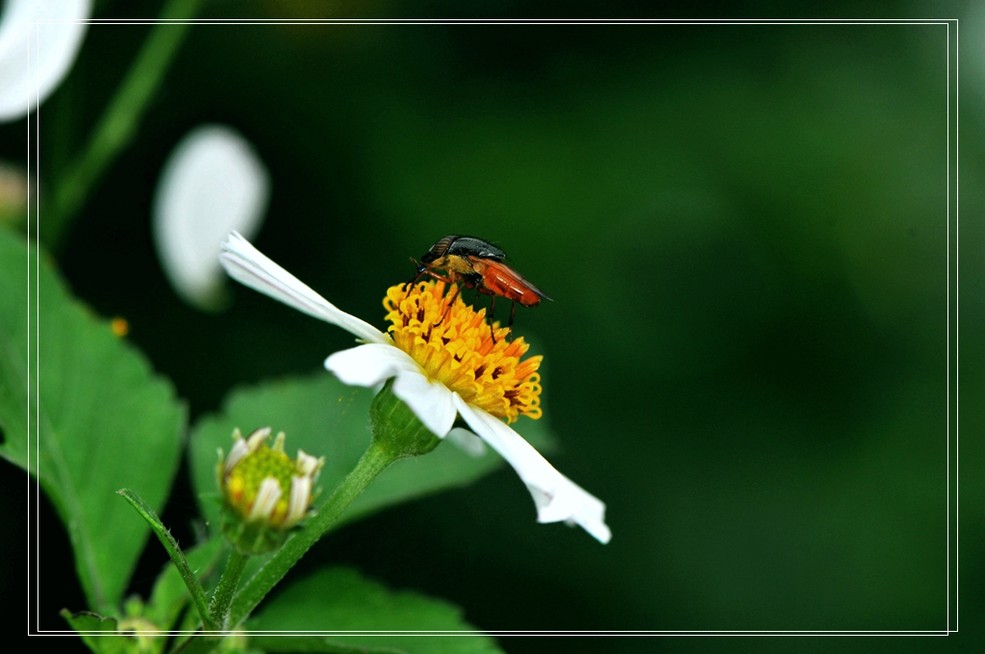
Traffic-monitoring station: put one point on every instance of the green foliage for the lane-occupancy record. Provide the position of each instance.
(323, 417)
(339, 599)
(748, 233)
(123, 430)
(100, 629)
(86, 414)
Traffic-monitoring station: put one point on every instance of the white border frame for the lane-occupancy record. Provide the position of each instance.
(952, 429)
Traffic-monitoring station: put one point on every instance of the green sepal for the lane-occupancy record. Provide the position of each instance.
(395, 427)
(251, 537)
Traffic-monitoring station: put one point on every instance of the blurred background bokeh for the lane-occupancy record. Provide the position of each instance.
(745, 231)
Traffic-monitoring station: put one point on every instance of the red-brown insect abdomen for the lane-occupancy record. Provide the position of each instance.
(500, 279)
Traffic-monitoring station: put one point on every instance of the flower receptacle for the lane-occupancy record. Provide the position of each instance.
(396, 429)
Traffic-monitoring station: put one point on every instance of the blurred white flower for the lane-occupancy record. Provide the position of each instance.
(34, 57)
(212, 183)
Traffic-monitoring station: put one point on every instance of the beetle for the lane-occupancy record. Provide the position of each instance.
(477, 264)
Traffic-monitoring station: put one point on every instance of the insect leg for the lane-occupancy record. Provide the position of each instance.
(490, 316)
(458, 289)
(421, 271)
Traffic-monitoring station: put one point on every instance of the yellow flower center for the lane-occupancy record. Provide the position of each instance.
(243, 481)
(455, 345)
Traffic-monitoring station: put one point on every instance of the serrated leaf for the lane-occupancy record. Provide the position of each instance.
(324, 417)
(87, 416)
(340, 599)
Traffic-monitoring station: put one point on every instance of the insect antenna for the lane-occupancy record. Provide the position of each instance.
(421, 271)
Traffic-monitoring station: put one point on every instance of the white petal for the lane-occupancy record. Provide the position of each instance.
(257, 437)
(369, 365)
(34, 57)
(372, 364)
(431, 402)
(212, 183)
(242, 447)
(308, 465)
(266, 499)
(249, 266)
(466, 441)
(299, 501)
(557, 497)
(236, 454)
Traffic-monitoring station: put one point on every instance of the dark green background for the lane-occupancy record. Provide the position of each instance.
(745, 232)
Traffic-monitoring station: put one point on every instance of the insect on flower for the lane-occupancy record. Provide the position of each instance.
(480, 265)
(439, 381)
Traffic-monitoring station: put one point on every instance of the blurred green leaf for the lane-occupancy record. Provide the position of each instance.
(86, 415)
(318, 644)
(340, 599)
(93, 622)
(324, 417)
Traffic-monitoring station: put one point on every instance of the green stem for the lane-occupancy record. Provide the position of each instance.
(177, 556)
(397, 433)
(372, 463)
(120, 119)
(224, 591)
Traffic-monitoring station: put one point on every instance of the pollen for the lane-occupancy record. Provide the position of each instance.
(456, 346)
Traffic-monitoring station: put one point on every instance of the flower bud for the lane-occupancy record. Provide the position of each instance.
(265, 493)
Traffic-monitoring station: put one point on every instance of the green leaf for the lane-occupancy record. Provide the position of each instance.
(93, 627)
(323, 417)
(289, 644)
(339, 599)
(86, 415)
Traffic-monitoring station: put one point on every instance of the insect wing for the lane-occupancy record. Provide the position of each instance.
(500, 279)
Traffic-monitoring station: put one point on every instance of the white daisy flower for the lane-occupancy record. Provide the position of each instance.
(444, 361)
